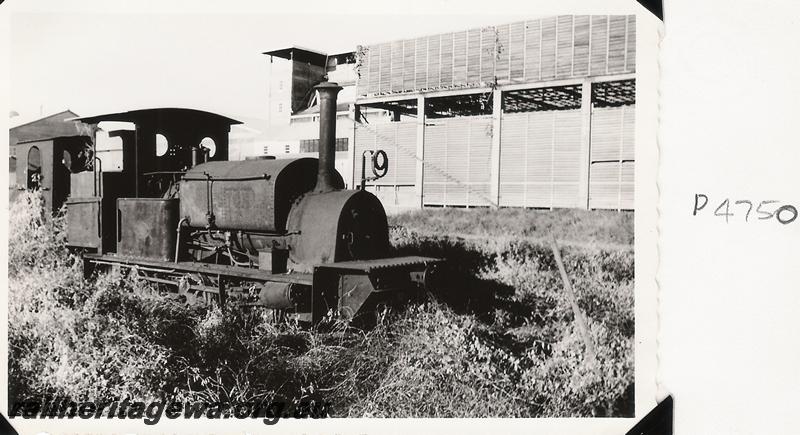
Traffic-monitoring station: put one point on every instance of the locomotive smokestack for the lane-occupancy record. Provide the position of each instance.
(327, 136)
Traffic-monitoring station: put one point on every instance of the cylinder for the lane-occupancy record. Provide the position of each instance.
(327, 136)
(276, 295)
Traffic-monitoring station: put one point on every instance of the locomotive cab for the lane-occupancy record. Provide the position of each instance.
(92, 207)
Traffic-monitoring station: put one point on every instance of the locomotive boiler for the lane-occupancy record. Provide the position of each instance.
(277, 233)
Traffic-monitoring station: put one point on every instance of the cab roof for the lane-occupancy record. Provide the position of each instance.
(161, 113)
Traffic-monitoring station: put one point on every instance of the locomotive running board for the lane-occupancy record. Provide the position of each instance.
(189, 266)
(351, 289)
(354, 288)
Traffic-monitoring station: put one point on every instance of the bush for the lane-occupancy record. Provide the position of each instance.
(34, 243)
(512, 351)
(531, 310)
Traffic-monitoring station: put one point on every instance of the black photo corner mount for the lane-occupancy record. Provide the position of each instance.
(656, 422)
(654, 6)
(5, 426)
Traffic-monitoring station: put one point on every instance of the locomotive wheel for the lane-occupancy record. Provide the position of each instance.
(187, 295)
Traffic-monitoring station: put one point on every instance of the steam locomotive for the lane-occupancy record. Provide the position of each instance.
(276, 233)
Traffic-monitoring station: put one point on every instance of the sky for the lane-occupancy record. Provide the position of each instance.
(96, 63)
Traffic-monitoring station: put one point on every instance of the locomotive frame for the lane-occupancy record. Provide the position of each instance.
(281, 234)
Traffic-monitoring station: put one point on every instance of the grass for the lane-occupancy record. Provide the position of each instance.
(570, 226)
(501, 343)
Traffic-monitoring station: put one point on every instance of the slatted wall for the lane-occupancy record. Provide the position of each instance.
(399, 140)
(540, 159)
(536, 50)
(611, 177)
(457, 161)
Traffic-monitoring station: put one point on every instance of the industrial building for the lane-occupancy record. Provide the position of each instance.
(537, 113)
(291, 128)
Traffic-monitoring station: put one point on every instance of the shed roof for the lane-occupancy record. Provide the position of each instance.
(19, 121)
(299, 54)
(53, 138)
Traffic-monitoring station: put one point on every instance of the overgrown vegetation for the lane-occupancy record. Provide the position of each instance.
(501, 343)
(602, 228)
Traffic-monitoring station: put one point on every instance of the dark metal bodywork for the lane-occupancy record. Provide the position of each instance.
(53, 177)
(352, 290)
(327, 137)
(249, 195)
(84, 223)
(184, 130)
(281, 234)
(92, 209)
(355, 288)
(147, 227)
(335, 226)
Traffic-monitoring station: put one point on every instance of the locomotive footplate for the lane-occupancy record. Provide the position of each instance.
(191, 266)
(203, 282)
(353, 290)
(357, 289)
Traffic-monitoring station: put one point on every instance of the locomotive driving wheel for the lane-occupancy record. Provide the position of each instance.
(184, 291)
(192, 296)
